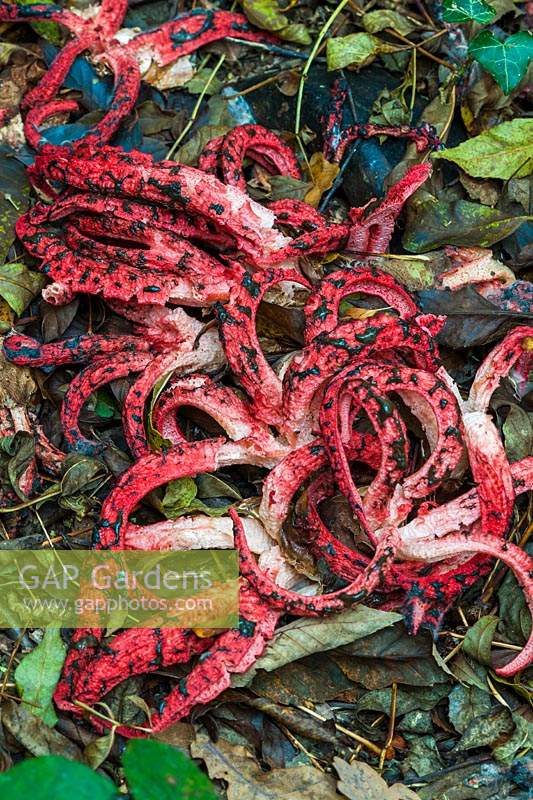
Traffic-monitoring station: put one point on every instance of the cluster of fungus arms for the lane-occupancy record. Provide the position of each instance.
(123, 52)
(403, 549)
(134, 231)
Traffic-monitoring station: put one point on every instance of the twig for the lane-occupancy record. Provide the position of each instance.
(392, 722)
(355, 736)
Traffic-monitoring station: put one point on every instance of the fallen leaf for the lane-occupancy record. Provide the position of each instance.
(14, 198)
(355, 50)
(433, 223)
(358, 781)
(16, 383)
(98, 750)
(375, 21)
(471, 319)
(33, 734)
(504, 151)
(465, 703)
(170, 76)
(306, 636)
(323, 173)
(518, 434)
(18, 285)
(247, 781)
(38, 672)
(520, 739)
(487, 729)
(269, 15)
(478, 640)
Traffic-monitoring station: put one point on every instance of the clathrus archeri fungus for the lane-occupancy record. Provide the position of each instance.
(160, 240)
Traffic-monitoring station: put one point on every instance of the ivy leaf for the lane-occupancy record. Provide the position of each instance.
(465, 10)
(38, 673)
(504, 151)
(156, 771)
(18, 285)
(506, 61)
(55, 776)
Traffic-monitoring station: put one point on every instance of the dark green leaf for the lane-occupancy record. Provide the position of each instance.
(423, 756)
(478, 640)
(54, 777)
(521, 739)
(466, 10)
(210, 486)
(434, 223)
(465, 703)
(486, 729)
(105, 406)
(156, 771)
(16, 454)
(472, 320)
(506, 61)
(80, 474)
(515, 617)
(14, 198)
(408, 699)
(518, 434)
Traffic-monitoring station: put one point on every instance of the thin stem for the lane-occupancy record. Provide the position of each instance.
(322, 34)
(196, 109)
(392, 722)
(355, 736)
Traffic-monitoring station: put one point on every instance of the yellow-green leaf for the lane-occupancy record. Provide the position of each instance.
(355, 50)
(375, 21)
(18, 285)
(38, 673)
(504, 151)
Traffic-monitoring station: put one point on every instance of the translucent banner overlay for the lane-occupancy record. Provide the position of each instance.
(119, 589)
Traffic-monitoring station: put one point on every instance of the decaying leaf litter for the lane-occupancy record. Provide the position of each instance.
(269, 313)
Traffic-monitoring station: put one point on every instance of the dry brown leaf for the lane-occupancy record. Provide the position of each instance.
(247, 781)
(16, 383)
(179, 735)
(323, 173)
(34, 734)
(358, 781)
(171, 75)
